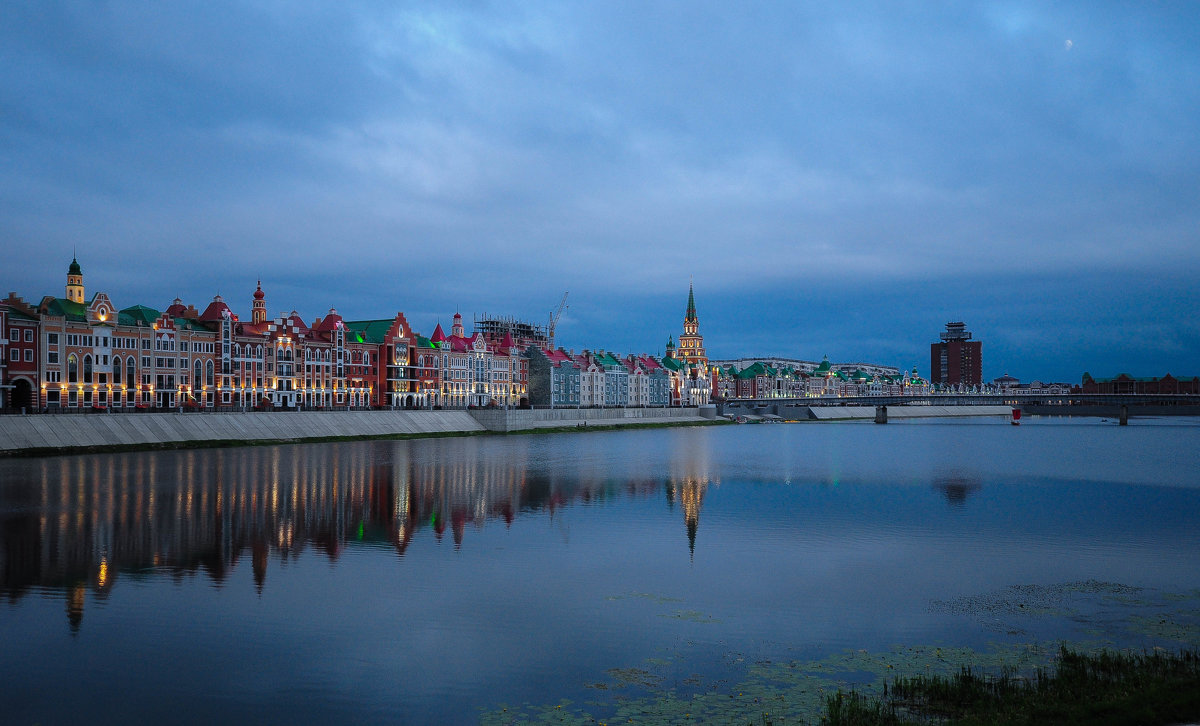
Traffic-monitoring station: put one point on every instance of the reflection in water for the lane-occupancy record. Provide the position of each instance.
(689, 480)
(956, 488)
(79, 523)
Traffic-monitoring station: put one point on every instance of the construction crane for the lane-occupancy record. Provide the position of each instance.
(554, 316)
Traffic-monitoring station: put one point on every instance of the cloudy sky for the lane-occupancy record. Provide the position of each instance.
(838, 179)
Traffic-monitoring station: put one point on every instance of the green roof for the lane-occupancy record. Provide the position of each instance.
(16, 314)
(824, 367)
(673, 364)
(138, 315)
(74, 268)
(370, 331)
(66, 308)
(608, 360)
(423, 342)
(188, 324)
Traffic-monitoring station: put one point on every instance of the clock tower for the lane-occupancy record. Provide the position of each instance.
(691, 343)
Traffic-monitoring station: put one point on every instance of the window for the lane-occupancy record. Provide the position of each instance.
(129, 379)
(208, 373)
(29, 355)
(197, 371)
(14, 354)
(87, 369)
(29, 335)
(116, 371)
(52, 338)
(72, 369)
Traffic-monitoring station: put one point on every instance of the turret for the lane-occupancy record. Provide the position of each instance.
(75, 282)
(456, 330)
(258, 315)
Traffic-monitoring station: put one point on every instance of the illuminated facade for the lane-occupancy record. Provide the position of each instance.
(77, 352)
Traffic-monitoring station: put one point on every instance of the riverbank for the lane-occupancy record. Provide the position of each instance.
(50, 434)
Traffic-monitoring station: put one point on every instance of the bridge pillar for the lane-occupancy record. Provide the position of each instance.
(881, 414)
(1124, 415)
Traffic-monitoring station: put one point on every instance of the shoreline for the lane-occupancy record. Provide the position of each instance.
(46, 435)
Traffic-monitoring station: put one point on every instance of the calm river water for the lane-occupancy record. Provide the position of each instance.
(653, 573)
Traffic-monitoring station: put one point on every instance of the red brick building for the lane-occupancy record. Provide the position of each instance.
(1126, 383)
(18, 354)
(956, 360)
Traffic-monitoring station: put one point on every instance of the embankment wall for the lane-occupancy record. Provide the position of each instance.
(55, 433)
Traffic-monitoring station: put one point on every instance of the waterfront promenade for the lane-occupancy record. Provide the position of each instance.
(64, 433)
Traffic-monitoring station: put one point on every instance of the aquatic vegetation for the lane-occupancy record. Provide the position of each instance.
(848, 687)
(692, 616)
(1100, 688)
(652, 597)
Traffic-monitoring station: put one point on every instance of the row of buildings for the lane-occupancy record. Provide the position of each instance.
(79, 352)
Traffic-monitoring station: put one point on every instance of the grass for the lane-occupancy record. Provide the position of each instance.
(1106, 688)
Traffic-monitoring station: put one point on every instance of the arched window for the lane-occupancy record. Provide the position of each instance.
(237, 351)
(130, 379)
(116, 377)
(366, 359)
(258, 352)
(72, 369)
(208, 373)
(197, 373)
(87, 369)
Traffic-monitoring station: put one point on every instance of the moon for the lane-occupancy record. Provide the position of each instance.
(1068, 44)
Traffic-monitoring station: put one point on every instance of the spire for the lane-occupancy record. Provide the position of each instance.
(691, 308)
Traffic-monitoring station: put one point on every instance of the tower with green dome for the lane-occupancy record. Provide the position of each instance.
(75, 282)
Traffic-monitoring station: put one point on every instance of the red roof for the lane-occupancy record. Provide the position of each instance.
(215, 310)
(259, 294)
(330, 322)
(438, 336)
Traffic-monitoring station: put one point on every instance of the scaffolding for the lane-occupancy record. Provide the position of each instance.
(524, 334)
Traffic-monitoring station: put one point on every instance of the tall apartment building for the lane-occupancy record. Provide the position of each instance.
(956, 359)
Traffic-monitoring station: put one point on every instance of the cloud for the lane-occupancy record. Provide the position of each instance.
(486, 156)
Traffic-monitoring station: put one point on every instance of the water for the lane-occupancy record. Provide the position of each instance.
(435, 581)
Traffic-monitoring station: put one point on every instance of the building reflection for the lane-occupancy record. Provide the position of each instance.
(690, 477)
(957, 487)
(75, 526)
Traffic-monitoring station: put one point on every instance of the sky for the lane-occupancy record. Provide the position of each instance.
(836, 179)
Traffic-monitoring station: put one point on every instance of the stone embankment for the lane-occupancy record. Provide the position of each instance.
(66, 433)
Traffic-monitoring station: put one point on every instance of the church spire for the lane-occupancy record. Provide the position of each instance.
(691, 343)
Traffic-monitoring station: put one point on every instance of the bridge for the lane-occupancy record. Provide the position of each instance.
(978, 399)
(1075, 404)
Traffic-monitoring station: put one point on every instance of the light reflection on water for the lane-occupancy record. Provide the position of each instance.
(421, 580)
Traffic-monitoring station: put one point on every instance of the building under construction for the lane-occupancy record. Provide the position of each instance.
(524, 334)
